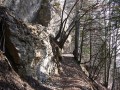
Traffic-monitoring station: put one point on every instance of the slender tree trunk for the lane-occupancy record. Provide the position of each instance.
(77, 35)
(81, 45)
(105, 51)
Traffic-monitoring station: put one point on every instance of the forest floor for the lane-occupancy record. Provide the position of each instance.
(71, 77)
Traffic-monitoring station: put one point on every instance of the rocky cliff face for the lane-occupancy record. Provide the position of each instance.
(23, 9)
(27, 45)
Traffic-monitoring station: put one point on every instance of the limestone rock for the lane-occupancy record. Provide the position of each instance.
(23, 9)
(27, 45)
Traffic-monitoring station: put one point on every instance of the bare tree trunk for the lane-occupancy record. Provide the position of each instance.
(57, 51)
(77, 35)
(105, 51)
(81, 45)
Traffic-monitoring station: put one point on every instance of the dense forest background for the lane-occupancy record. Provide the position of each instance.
(96, 38)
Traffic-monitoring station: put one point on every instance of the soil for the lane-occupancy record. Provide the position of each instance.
(71, 77)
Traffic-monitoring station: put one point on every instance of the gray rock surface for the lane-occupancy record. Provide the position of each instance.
(28, 44)
(23, 9)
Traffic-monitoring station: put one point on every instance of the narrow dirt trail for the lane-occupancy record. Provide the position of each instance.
(71, 77)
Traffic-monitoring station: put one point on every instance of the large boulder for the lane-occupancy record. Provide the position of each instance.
(10, 80)
(27, 46)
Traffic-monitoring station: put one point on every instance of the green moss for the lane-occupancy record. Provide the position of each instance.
(86, 50)
(57, 4)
